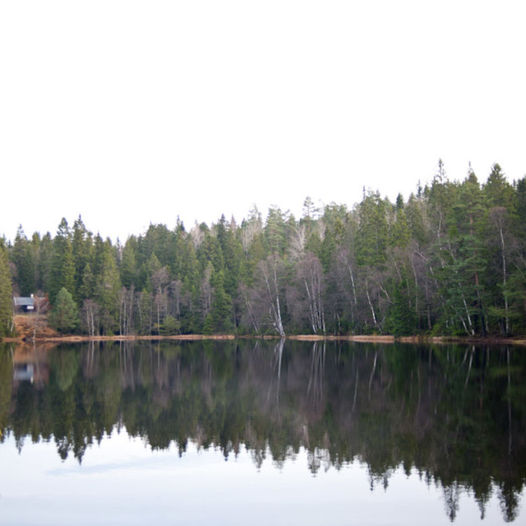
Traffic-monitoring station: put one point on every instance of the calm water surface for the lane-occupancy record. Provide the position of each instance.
(262, 432)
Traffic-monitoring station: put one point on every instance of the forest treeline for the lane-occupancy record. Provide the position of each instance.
(451, 259)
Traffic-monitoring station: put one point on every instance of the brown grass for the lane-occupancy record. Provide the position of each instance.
(34, 327)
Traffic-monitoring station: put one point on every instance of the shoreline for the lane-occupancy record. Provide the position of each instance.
(358, 338)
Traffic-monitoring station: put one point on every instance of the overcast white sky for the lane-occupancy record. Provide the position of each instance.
(131, 112)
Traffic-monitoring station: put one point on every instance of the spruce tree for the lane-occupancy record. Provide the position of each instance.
(107, 287)
(128, 267)
(23, 258)
(451, 260)
(44, 248)
(521, 207)
(81, 244)
(62, 272)
(6, 294)
(64, 316)
(497, 190)
(219, 319)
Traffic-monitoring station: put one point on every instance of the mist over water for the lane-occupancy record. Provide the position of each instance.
(379, 433)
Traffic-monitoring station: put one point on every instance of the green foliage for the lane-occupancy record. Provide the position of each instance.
(22, 256)
(415, 215)
(81, 248)
(401, 318)
(6, 382)
(62, 271)
(170, 326)
(276, 231)
(129, 275)
(372, 231)
(44, 253)
(497, 190)
(219, 319)
(6, 294)
(64, 316)
(521, 205)
(449, 260)
(65, 366)
(107, 285)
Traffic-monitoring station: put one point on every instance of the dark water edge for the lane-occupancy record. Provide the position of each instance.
(451, 415)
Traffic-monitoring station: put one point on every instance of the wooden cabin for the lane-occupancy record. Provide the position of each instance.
(22, 304)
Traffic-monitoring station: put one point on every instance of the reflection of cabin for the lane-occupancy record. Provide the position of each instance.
(24, 304)
(30, 364)
(24, 372)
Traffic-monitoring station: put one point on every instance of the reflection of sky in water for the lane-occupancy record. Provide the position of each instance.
(444, 410)
(123, 482)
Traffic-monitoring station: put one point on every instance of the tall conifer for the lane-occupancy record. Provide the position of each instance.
(6, 294)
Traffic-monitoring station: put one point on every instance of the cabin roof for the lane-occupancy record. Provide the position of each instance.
(20, 301)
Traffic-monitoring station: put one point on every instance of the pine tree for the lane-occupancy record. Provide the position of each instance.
(6, 294)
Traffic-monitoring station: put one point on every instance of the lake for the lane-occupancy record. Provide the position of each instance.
(262, 432)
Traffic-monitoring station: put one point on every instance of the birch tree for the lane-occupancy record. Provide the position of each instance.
(269, 292)
(311, 283)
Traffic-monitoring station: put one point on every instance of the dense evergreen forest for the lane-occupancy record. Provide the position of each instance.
(451, 259)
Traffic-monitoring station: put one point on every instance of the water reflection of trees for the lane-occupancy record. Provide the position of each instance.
(454, 414)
